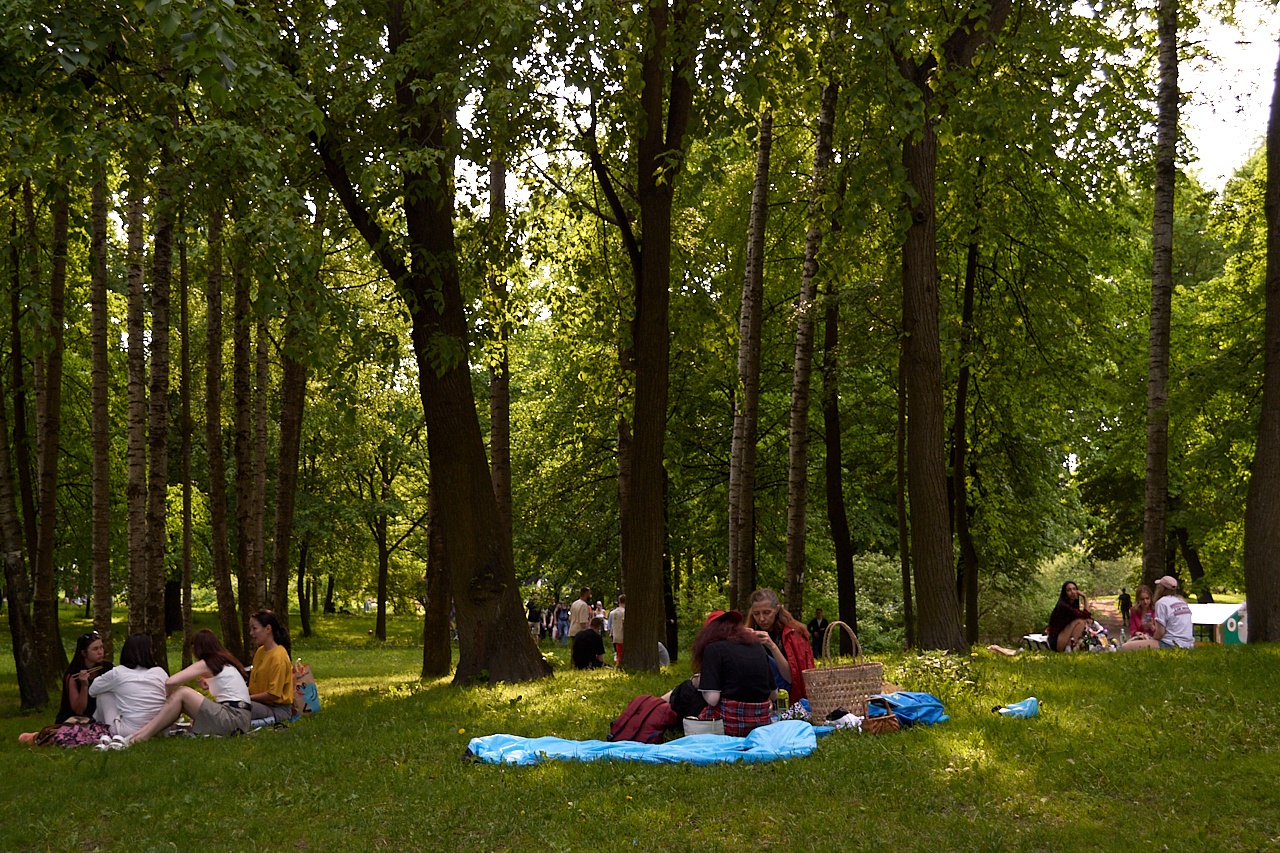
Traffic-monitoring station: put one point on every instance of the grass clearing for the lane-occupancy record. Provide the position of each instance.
(1168, 748)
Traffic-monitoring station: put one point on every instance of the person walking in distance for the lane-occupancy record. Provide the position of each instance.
(616, 618)
(580, 612)
(817, 630)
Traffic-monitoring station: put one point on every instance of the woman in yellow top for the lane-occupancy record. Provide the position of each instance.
(271, 678)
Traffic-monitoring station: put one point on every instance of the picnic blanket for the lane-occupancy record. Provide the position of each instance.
(784, 739)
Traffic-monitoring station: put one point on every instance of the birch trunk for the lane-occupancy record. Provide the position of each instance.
(742, 468)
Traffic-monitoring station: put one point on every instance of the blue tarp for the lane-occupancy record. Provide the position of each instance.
(784, 739)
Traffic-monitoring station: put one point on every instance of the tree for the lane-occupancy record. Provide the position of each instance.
(1262, 512)
(939, 622)
(420, 77)
(742, 470)
(1154, 538)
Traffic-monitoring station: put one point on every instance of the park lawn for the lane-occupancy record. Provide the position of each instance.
(1131, 751)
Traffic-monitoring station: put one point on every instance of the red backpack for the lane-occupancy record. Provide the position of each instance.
(645, 719)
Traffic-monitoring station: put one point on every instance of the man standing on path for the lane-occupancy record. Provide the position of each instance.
(1126, 604)
(580, 612)
(616, 617)
(817, 630)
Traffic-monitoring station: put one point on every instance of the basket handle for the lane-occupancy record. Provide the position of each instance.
(826, 642)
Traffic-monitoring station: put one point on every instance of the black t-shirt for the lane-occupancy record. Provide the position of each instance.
(686, 700)
(586, 645)
(740, 672)
(535, 613)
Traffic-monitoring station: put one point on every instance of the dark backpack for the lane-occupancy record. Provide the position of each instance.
(645, 719)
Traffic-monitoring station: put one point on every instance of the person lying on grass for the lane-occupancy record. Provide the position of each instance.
(221, 674)
(1069, 619)
(271, 679)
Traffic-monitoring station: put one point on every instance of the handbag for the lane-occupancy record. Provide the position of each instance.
(694, 726)
(848, 686)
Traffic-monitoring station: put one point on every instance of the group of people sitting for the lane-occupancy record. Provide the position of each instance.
(740, 665)
(137, 700)
(1159, 621)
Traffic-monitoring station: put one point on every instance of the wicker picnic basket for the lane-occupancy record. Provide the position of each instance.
(848, 686)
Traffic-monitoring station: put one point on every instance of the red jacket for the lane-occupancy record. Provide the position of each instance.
(799, 657)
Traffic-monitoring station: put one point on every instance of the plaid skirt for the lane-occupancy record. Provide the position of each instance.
(739, 717)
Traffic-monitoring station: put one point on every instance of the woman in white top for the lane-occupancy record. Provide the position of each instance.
(1173, 626)
(132, 693)
(218, 672)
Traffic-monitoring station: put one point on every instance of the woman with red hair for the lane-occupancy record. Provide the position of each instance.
(736, 682)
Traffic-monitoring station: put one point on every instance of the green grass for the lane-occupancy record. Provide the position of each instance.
(1134, 751)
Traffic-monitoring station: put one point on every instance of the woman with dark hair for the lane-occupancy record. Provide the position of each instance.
(734, 675)
(271, 677)
(218, 672)
(132, 693)
(786, 640)
(1069, 618)
(86, 665)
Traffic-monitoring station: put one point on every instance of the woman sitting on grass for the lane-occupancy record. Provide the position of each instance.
(736, 681)
(1141, 617)
(785, 639)
(132, 693)
(271, 679)
(218, 672)
(1069, 619)
(1171, 626)
(86, 665)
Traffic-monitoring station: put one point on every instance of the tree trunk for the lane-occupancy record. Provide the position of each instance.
(1156, 503)
(939, 612)
(184, 286)
(21, 433)
(1262, 507)
(242, 438)
(258, 510)
(45, 609)
(960, 451)
(221, 557)
(136, 486)
(379, 528)
(437, 653)
(99, 418)
(293, 397)
(665, 121)
(328, 598)
(798, 463)
(305, 588)
(500, 372)
(904, 532)
(742, 468)
(493, 633)
(1194, 567)
(32, 692)
(837, 515)
(939, 621)
(158, 474)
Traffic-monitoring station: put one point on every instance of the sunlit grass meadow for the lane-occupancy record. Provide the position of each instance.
(1172, 750)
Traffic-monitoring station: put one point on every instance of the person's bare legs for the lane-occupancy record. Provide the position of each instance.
(1134, 645)
(184, 700)
(1073, 632)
